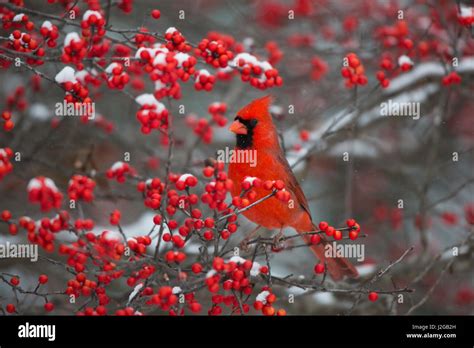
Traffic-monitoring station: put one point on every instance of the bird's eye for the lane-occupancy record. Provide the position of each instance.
(253, 122)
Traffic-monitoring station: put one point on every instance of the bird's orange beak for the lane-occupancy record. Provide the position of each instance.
(238, 128)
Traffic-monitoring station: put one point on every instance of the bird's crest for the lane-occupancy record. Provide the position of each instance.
(259, 108)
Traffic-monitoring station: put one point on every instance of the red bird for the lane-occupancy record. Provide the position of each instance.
(255, 130)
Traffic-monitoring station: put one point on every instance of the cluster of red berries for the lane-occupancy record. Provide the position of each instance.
(103, 123)
(109, 245)
(119, 171)
(165, 68)
(274, 52)
(93, 22)
(175, 256)
(330, 231)
(12, 20)
(452, 78)
(84, 224)
(139, 244)
(264, 303)
(80, 285)
(50, 33)
(215, 53)
(81, 187)
(319, 68)
(44, 191)
(204, 80)
(117, 77)
(44, 233)
(25, 43)
(115, 217)
(17, 99)
(152, 189)
(164, 298)
(8, 124)
(126, 6)
(384, 81)
(466, 16)
(74, 50)
(5, 165)
(231, 276)
(184, 181)
(152, 115)
(395, 36)
(354, 71)
(259, 74)
(176, 41)
(216, 190)
(202, 127)
(76, 93)
(217, 111)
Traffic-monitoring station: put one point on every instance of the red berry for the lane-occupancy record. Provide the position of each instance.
(156, 14)
(373, 296)
(323, 225)
(10, 308)
(319, 268)
(43, 279)
(48, 306)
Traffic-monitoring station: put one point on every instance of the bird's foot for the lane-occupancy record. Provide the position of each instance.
(244, 245)
(277, 243)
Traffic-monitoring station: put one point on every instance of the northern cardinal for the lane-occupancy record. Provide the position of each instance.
(255, 130)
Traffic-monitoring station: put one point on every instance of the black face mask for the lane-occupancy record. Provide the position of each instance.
(245, 141)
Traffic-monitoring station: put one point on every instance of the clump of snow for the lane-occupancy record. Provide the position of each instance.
(181, 58)
(89, 13)
(254, 271)
(47, 24)
(366, 269)
(251, 59)
(176, 290)
(158, 48)
(50, 184)
(248, 43)
(250, 179)
(117, 165)
(73, 36)
(39, 112)
(202, 72)
(324, 298)
(66, 75)
(159, 85)
(33, 184)
(18, 17)
(403, 59)
(185, 176)
(276, 110)
(170, 30)
(38, 184)
(135, 292)
(149, 99)
(81, 75)
(262, 297)
(111, 67)
(466, 11)
(211, 273)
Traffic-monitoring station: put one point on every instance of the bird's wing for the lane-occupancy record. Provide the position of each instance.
(293, 185)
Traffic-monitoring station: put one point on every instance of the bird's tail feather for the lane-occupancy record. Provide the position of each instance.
(337, 267)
